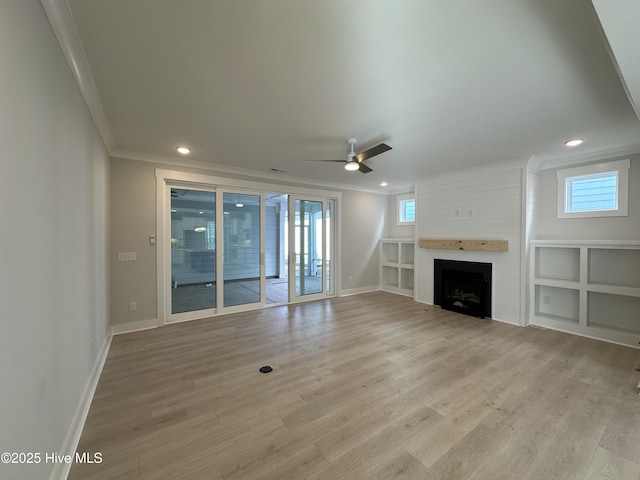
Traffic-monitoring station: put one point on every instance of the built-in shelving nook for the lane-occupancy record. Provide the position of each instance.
(396, 265)
(587, 288)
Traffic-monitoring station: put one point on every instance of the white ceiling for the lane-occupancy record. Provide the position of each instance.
(448, 84)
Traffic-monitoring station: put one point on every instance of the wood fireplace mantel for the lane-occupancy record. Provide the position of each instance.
(471, 244)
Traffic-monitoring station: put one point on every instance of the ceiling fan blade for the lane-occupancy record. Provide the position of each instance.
(364, 168)
(372, 152)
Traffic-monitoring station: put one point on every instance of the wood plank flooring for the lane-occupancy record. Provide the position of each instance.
(373, 386)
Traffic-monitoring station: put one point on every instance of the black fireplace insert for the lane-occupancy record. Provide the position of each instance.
(463, 287)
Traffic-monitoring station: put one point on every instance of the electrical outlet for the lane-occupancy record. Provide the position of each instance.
(133, 306)
(91, 345)
(350, 279)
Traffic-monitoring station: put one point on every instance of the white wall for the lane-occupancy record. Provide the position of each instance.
(495, 195)
(363, 225)
(547, 225)
(53, 248)
(133, 219)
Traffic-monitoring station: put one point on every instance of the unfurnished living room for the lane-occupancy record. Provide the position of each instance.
(335, 239)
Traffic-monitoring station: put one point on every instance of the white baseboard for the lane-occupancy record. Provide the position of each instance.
(358, 290)
(508, 322)
(61, 470)
(134, 326)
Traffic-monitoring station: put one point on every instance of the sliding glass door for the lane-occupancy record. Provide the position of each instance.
(276, 248)
(242, 269)
(311, 248)
(193, 250)
(224, 250)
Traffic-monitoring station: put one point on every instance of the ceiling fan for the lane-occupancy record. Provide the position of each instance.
(355, 160)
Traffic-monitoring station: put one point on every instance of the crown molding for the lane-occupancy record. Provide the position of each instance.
(64, 28)
(238, 171)
(544, 164)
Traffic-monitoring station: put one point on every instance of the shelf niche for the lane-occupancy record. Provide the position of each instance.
(587, 288)
(558, 303)
(626, 272)
(396, 265)
(626, 319)
(558, 263)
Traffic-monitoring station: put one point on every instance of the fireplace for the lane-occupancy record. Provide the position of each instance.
(463, 287)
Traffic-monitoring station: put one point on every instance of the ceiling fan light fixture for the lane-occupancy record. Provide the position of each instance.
(351, 165)
(355, 161)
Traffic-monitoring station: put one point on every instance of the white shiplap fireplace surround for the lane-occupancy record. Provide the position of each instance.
(482, 202)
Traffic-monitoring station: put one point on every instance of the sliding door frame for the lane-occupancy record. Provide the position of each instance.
(165, 179)
(328, 250)
(164, 248)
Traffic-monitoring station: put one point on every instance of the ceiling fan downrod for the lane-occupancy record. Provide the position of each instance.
(351, 164)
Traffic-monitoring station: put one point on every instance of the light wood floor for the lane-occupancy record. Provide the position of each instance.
(372, 386)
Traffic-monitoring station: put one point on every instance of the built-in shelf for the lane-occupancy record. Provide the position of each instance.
(587, 288)
(558, 264)
(396, 265)
(558, 303)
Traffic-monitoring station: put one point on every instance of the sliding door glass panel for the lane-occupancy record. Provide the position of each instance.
(308, 246)
(193, 250)
(276, 248)
(327, 247)
(241, 227)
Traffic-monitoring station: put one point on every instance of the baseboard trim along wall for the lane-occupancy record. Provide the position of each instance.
(134, 326)
(61, 469)
(355, 291)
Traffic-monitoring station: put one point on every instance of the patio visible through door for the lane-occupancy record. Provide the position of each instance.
(225, 250)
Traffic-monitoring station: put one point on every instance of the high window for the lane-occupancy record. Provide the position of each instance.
(406, 209)
(598, 190)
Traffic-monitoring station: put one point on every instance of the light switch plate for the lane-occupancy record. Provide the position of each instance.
(127, 256)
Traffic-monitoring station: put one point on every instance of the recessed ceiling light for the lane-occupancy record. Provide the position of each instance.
(239, 204)
(574, 142)
(383, 183)
(201, 213)
(183, 150)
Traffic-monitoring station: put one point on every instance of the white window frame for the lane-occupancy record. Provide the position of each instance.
(620, 167)
(402, 199)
